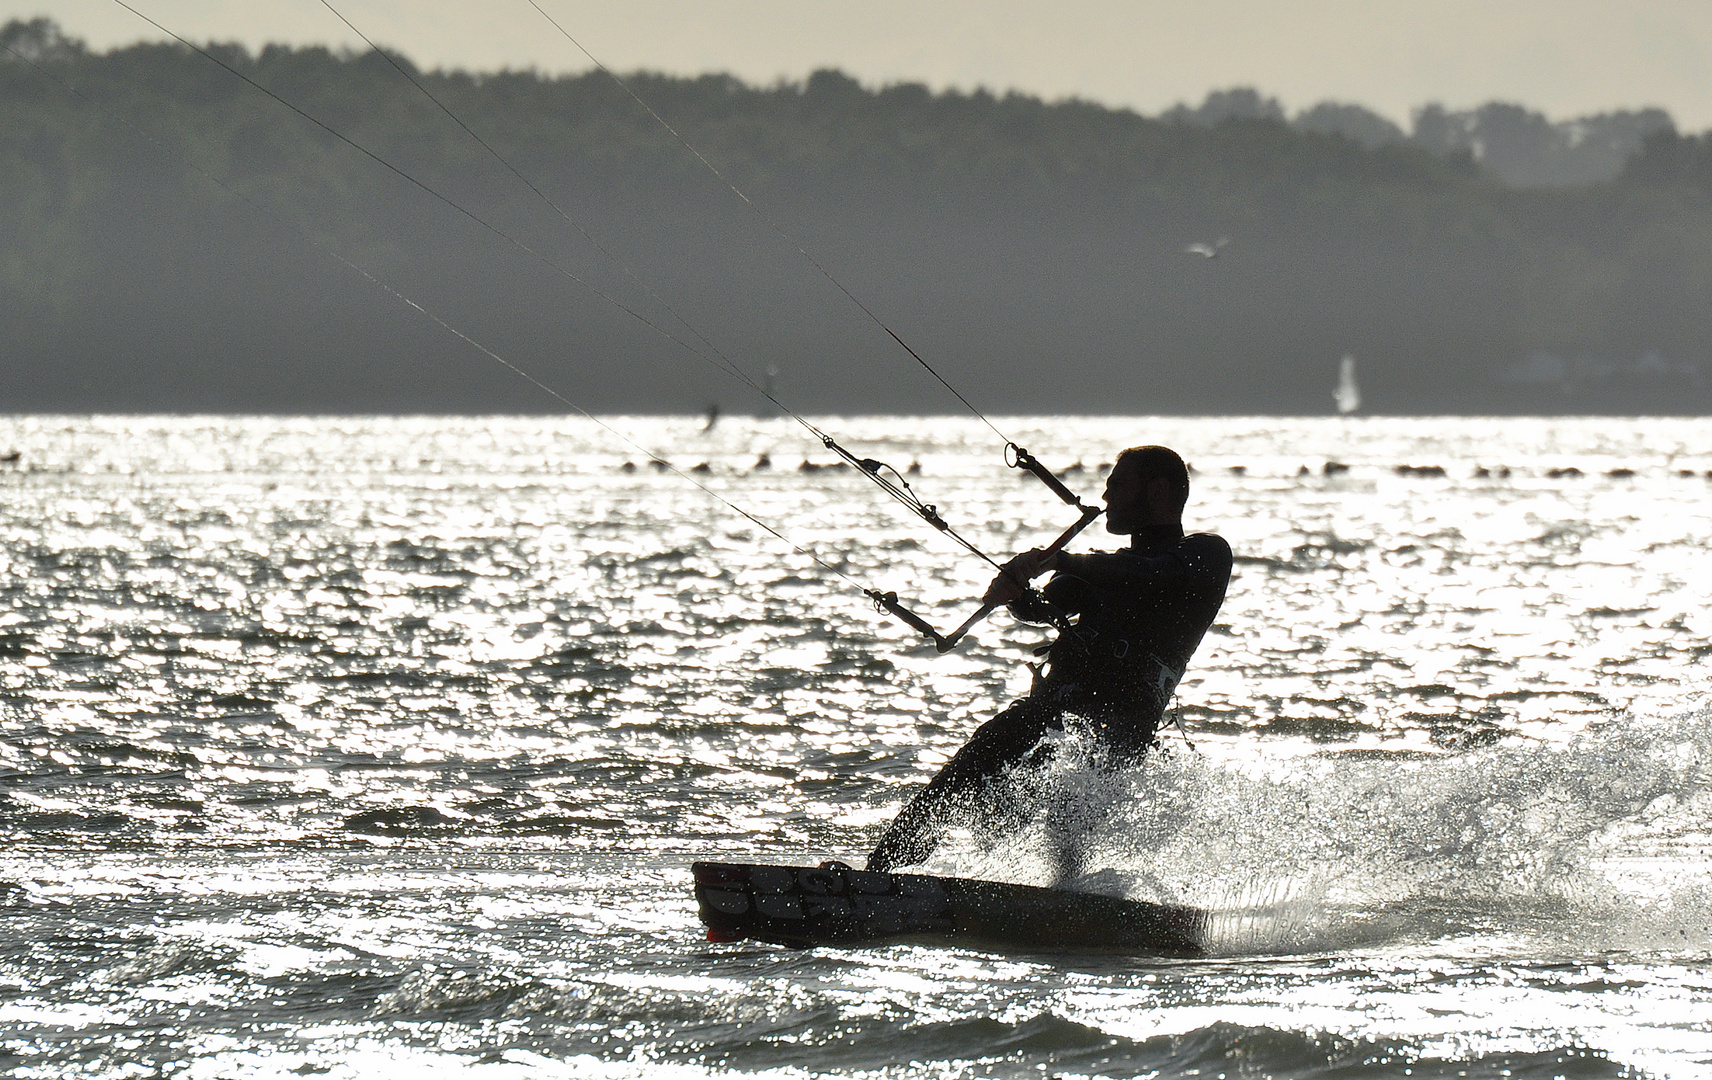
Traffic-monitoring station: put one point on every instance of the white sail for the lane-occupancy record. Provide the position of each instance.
(1347, 395)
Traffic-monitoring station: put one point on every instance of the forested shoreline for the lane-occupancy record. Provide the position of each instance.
(172, 239)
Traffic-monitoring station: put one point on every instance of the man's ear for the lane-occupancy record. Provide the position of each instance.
(1160, 495)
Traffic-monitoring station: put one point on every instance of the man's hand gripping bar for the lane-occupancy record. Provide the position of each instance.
(1017, 458)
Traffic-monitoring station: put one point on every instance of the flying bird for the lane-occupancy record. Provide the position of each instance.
(1206, 250)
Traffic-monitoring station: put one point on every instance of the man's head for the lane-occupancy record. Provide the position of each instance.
(1148, 486)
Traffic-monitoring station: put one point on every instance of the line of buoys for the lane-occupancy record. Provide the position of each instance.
(763, 463)
(1332, 468)
(1481, 472)
(1329, 468)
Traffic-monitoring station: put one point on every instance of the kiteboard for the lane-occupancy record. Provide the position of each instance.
(833, 904)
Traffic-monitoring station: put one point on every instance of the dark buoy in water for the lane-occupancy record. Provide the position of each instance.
(703, 469)
(1105, 467)
(1237, 470)
(628, 466)
(1304, 471)
(1568, 473)
(712, 417)
(1621, 474)
(1074, 470)
(1335, 468)
(1433, 471)
(763, 463)
(914, 469)
(658, 465)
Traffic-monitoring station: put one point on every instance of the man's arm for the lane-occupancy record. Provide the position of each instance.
(1199, 555)
(1202, 560)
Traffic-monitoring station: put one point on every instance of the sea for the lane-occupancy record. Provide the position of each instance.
(381, 748)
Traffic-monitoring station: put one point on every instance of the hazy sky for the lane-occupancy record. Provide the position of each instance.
(1566, 57)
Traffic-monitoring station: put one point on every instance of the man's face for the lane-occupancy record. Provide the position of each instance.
(1124, 497)
(1134, 503)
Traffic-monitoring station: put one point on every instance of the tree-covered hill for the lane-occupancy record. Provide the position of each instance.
(172, 238)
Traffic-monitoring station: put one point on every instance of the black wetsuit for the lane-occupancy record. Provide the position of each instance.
(1139, 615)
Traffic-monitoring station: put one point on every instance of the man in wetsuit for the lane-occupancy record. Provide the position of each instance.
(1138, 615)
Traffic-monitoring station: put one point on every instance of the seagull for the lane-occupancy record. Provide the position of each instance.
(1206, 250)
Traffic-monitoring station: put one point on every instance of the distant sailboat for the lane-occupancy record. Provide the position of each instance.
(1347, 395)
(767, 391)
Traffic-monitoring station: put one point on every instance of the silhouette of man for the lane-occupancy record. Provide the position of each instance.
(1138, 613)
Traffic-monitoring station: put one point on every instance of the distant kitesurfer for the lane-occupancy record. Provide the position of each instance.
(1138, 615)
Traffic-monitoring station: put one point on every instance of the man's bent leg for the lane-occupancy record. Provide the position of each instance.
(1000, 742)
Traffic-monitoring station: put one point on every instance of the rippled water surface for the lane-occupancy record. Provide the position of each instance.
(359, 748)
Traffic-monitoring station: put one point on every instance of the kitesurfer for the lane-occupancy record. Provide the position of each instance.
(1137, 616)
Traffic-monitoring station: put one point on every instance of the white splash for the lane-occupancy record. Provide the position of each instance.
(1604, 842)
